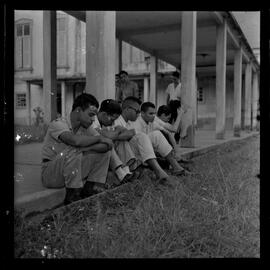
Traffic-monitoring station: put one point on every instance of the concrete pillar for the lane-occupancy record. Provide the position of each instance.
(237, 93)
(188, 75)
(153, 79)
(49, 65)
(63, 98)
(221, 80)
(78, 47)
(28, 85)
(145, 89)
(118, 56)
(247, 119)
(100, 54)
(196, 103)
(255, 99)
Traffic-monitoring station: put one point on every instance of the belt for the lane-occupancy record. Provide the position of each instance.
(45, 160)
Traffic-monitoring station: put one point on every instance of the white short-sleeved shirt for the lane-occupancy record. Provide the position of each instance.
(158, 121)
(174, 92)
(141, 126)
(120, 121)
(52, 144)
(93, 129)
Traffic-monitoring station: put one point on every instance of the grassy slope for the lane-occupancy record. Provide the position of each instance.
(214, 213)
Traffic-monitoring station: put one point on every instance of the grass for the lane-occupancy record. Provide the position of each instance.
(212, 214)
(28, 134)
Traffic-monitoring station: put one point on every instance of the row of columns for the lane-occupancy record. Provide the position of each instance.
(101, 46)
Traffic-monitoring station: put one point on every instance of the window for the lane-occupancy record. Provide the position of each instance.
(200, 96)
(21, 101)
(23, 44)
(61, 40)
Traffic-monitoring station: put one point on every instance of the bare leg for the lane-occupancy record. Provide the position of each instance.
(175, 165)
(160, 173)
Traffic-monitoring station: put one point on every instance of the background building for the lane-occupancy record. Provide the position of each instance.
(71, 71)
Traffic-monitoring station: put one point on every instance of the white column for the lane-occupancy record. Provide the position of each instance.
(221, 80)
(49, 65)
(100, 54)
(78, 47)
(188, 75)
(247, 119)
(237, 93)
(145, 89)
(28, 85)
(153, 79)
(63, 98)
(255, 99)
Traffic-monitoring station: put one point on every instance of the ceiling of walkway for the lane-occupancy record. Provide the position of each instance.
(159, 33)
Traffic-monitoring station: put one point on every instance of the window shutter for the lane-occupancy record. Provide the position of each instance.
(26, 52)
(18, 52)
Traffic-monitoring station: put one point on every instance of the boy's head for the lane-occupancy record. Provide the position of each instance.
(148, 112)
(86, 106)
(123, 75)
(164, 113)
(109, 111)
(175, 76)
(131, 108)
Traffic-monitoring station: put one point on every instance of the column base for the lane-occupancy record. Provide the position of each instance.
(248, 129)
(189, 140)
(237, 131)
(220, 135)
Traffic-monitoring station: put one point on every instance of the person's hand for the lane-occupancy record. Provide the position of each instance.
(179, 111)
(107, 141)
(119, 128)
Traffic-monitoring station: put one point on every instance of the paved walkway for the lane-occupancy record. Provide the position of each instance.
(27, 164)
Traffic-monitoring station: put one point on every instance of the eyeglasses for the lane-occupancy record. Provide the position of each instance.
(136, 111)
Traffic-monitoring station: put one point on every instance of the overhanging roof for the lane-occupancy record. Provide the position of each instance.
(159, 33)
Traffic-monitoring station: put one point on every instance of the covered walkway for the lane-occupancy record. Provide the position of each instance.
(182, 39)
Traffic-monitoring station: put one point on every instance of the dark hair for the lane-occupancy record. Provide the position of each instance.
(128, 100)
(123, 72)
(146, 105)
(174, 105)
(84, 100)
(176, 74)
(164, 109)
(110, 106)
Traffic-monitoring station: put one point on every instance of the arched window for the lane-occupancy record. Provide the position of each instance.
(23, 44)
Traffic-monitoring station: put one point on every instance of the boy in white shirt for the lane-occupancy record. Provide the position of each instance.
(140, 142)
(108, 112)
(173, 90)
(145, 123)
(164, 115)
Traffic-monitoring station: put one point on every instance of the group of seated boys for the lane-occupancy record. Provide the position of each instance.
(118, 139)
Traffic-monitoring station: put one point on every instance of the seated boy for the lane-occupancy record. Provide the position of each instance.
(164, 114)
(108, 112)
(77, 162)
(145, 123)
(140, 142)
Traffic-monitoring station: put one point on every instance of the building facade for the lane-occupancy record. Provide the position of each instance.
(71, 71)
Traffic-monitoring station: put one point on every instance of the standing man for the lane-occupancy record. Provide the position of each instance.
(173, 90)
(125, 87)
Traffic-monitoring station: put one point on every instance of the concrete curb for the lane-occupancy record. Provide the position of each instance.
(51, 198)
